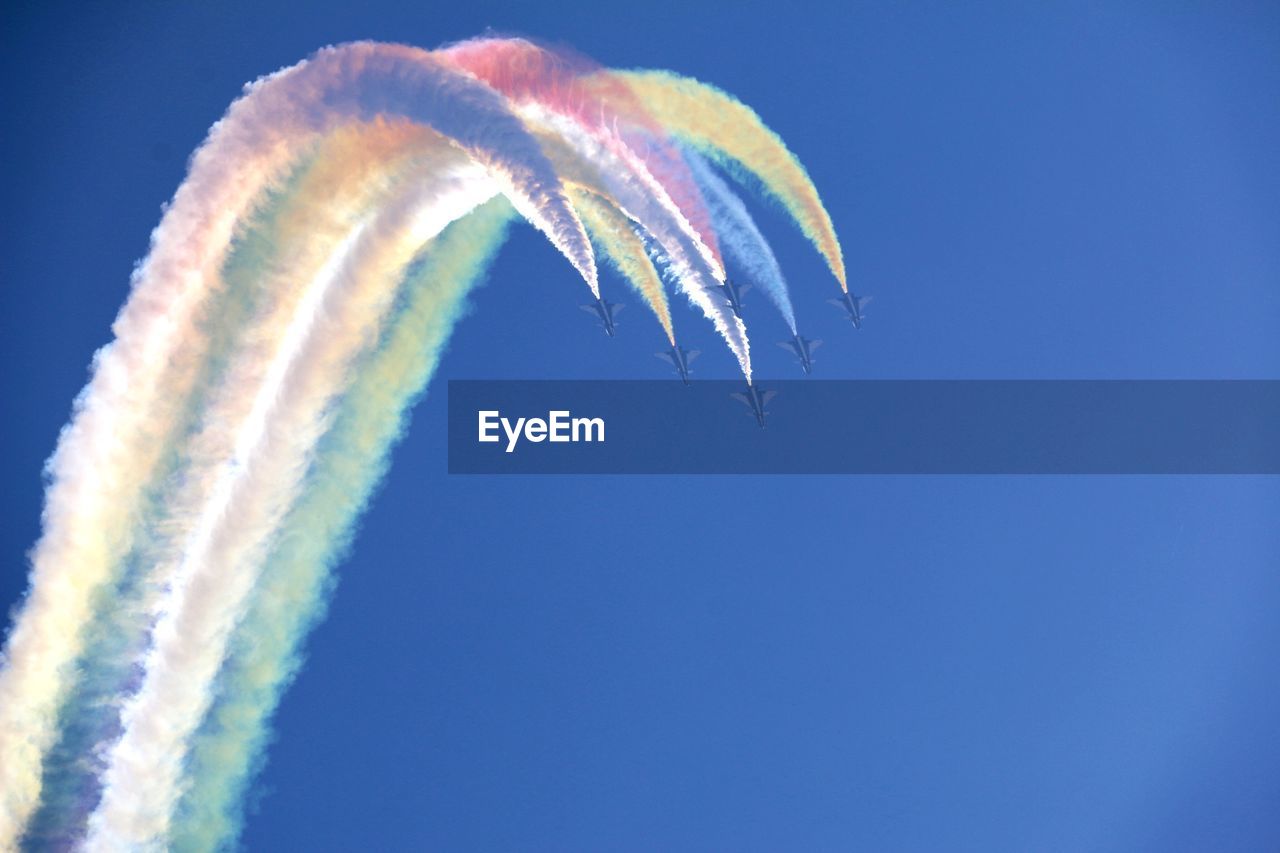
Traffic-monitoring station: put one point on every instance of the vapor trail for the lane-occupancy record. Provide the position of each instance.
(563, 83)
(123, 422)
(364, 80)
(680, 255)
(610, 227)
(742, 238)
(731, 133)
(296, 297)
(276, 256)
(297, 575)
(127, 415)
(243, 500)
(616, 238)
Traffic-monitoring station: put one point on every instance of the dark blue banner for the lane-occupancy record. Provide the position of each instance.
(864, 427)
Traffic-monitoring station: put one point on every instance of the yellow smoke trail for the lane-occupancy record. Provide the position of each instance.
(291, 594)
(277, 392)
(730, 132)
(616, 238)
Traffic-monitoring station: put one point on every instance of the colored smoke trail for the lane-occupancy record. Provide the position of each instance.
(218, 563)
(565, 84)
(127, 415)
(620, 244)
(740, 235)
(610, 228)
(297, 577)
(298, 292)
(680, 255)
(730, 132)
(284, 244)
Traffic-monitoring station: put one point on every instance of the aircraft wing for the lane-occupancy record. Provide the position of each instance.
(691, 355)
(766, 396)
(666, 356)
(617, 308)
(590, 309)
(813, 345)
(839, 303)
(789, 347)
(741, 398)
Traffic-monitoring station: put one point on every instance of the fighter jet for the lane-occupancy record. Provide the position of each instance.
(803, 349)
(679, 358)
(605, 312)
(756, 400)
(733, 296)
(852, 305)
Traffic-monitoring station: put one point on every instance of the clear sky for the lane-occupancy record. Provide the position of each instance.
(1030, 190)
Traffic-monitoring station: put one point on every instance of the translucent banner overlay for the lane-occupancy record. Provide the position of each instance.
(864, 427)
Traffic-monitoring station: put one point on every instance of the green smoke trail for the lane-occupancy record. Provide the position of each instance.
(294, 588)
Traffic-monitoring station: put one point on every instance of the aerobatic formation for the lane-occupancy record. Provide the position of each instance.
(297, 295)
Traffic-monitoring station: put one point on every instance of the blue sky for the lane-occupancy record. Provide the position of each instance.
(892, 663)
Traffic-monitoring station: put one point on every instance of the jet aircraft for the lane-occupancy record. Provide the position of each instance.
(756, 400)
(803, 349)
(733, 296)
(852, 305)
(679, 358)
(605, 312)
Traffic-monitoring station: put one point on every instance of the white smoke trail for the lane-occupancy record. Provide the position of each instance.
(687, 264)
(125, 418)
(534, 76)
(223, 553)
(291, 594)
(129, 762)
(269, 406)
(365, 79)
(283, 247)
